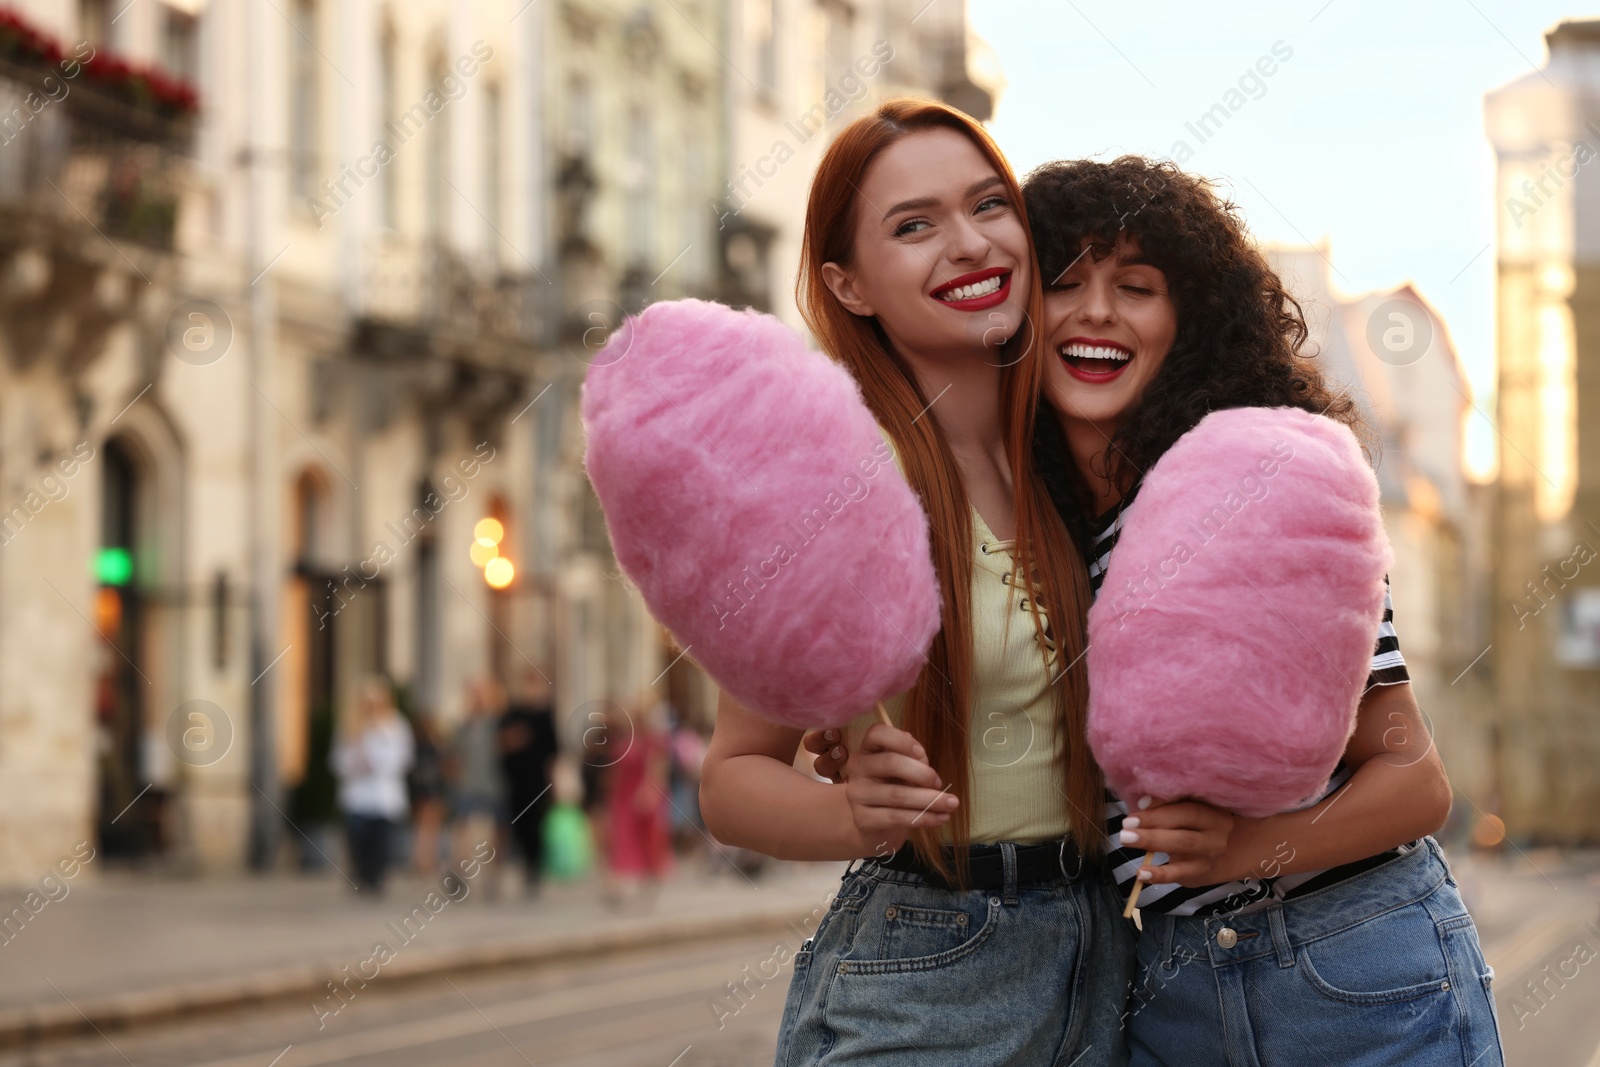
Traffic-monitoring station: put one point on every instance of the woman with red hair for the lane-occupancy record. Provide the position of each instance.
(980, 928)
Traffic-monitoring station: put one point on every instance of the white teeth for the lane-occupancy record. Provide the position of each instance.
(1081, 351)
(976, 289)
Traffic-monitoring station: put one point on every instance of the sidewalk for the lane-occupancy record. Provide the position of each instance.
(130, 948)
(134, 948)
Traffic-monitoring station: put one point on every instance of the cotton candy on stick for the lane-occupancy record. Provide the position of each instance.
(1230, 644)
(751, 499)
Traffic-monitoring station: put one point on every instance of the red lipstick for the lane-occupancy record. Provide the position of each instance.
(976, 303)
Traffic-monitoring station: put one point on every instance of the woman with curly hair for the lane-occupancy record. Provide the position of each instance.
(1332, 933)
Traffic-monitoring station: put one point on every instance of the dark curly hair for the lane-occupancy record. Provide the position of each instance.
(1241, 338)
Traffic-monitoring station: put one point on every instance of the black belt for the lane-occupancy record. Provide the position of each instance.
(1050, 863)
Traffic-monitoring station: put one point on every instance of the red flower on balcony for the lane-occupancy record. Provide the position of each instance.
(142, 86)
(22, 43)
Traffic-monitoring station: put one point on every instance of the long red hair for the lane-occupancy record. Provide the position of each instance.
(938, 708)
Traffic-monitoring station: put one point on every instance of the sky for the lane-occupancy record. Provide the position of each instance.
(1370, 135)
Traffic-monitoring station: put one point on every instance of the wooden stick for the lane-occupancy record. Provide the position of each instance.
(883, 715)
(1133, 894)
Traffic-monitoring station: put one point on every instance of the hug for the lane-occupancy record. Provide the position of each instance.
(1038, 356)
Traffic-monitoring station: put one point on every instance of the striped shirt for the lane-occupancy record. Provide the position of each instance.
(1388, 668)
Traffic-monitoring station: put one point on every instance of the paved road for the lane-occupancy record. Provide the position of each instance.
(1540, 921)
(1539, 916)
(649, 1008)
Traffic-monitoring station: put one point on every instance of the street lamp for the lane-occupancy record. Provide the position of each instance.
(499, 572)
(487, 534)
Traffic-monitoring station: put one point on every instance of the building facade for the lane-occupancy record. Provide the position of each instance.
(1391, 352)
(1545, 128)
(798, 71)
(299, 297)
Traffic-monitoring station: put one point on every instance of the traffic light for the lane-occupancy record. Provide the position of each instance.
(113, 566)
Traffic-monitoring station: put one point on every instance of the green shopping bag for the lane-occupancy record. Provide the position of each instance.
(568, 844)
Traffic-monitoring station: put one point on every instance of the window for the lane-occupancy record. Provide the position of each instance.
(764, 41)
(493, 162)
(94, 23)
(178, 35)
(389, 183)
(641, 188)
(836, 43)
(303, 110)
(580, 116)
(695, 264)
(438, 154)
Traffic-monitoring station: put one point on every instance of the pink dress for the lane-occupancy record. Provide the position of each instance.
(640, 837)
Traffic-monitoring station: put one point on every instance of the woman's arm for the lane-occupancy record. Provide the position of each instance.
(751, 796)
(1398, 793)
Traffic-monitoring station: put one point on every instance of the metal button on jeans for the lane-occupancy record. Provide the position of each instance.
(1227, 937)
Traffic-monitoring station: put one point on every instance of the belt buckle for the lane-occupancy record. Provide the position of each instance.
(1061, 862)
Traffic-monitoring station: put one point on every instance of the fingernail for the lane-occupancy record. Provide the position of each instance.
(1129, 837)
(1145, 802)
(837, 753)
(1145, 874)
(950, 802)
(830, 735)
(1131, 822)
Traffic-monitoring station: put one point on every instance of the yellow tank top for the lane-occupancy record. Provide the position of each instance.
(1014, 786)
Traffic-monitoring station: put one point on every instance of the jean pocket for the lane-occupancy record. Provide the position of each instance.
(1393, 957)
(916, 937)
(910, 931)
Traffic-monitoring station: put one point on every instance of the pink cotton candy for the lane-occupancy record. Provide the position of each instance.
(752, 500)
(1231, 640)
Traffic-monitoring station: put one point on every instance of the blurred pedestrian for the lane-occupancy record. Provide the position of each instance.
(594, 780)
(371, 759)
(639, 827)
(477, 785)
(426, 784)
(528, 748)
(314, 801)
(568, 840)
(688, 749)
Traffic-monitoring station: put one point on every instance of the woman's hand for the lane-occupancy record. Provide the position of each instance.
(828, 747)
(1192, 834)
(893, 789)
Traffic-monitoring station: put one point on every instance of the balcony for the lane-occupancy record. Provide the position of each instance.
(442, 332)
(88, 141)
(92, 167)
(425, 299)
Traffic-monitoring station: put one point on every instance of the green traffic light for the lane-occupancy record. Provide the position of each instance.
(113, 566)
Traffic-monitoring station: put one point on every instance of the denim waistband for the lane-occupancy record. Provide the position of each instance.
(1068, 872)
(1273, 929)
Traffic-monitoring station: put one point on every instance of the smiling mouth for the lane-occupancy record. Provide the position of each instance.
(1096, 361)
(977, 290)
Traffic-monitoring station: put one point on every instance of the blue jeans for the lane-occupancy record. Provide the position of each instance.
(1382, 968)
(901, 973)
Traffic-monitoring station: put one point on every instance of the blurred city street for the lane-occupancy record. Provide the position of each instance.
(333, 731)
(231, 974)
(186, 972)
